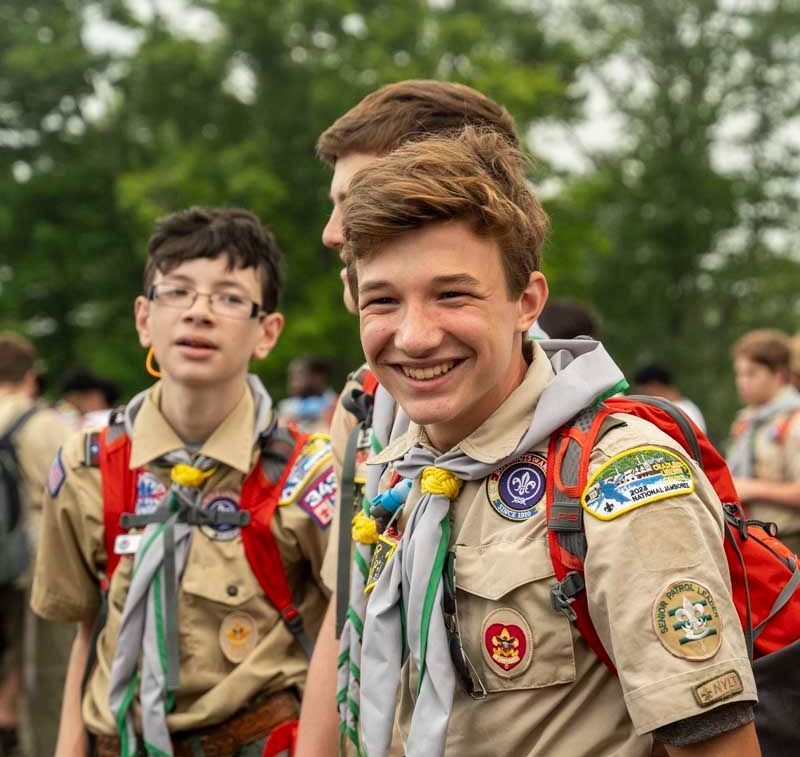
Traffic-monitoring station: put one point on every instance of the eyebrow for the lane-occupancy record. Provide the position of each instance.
(183, 279)
(456, 279)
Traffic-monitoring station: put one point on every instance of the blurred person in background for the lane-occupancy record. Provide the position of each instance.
(795, 360)
(656, 380)
(567, 319)
(35, 432)
(764, 452)
(311, 399)
(87, 398)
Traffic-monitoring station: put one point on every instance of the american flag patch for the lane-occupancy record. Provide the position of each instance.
(56, 476)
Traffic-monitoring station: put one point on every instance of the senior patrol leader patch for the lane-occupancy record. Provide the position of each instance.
(516, 489)
(507, 642)
(634, 478)
(226, 502)
(686, 621)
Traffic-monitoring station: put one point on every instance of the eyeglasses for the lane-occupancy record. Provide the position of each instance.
(227, 304)
(463, 667)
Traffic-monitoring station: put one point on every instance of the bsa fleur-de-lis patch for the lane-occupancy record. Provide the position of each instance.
(686, 620)
(507, 642)
(515, 490)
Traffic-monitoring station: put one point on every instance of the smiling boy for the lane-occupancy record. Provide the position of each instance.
(443, 240)
(193, 521)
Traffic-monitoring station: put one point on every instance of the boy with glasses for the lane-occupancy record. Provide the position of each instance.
(193, 527)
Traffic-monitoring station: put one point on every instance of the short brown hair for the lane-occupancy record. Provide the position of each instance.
(412, 109)
(768, 347)
(211, 232)
(17, 357)
(474, 175)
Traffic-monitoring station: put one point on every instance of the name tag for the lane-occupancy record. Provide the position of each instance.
(127, 544)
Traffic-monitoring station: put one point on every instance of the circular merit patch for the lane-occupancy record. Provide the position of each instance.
(237, 636)
(223, 502)
(516, 489)
(507, 642)
(686, 620)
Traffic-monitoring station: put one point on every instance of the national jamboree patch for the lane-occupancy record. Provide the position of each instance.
(635, 478)
(314, 457)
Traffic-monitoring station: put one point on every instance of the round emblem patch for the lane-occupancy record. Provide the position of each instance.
(686, 620)
(507, 642)
(226, 502)
(516, 489)
(237, 636)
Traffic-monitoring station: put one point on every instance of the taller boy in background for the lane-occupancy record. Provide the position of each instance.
(764, 454)
(445, 238)
(378, 124)
(234, 512)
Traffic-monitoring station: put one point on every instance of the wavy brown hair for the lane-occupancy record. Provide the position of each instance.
(411, 110)
(474, 175)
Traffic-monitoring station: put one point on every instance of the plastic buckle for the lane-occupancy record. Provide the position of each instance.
(563, 594)
(293, 620)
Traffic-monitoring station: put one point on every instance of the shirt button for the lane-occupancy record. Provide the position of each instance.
(233, 590)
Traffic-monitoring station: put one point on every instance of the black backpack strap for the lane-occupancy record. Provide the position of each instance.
(277, 447)
(17, 424)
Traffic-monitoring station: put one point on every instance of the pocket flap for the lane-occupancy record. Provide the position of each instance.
(492, 570)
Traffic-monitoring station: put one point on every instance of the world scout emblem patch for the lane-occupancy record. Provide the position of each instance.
(516, 489)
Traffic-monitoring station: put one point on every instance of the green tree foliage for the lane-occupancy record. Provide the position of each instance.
(682, 235)
(229, 117)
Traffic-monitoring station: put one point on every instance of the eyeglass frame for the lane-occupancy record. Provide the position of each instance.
(255, 307)
(464, 668)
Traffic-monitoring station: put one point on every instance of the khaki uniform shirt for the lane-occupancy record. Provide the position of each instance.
(36, 444)
(233, 644)
(556, 697)
(776, 453)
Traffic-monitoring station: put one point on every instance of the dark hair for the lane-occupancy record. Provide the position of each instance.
(565, 319)
(17, 357)
(314, 364)
(768, 347)
(211, 232)
(85, 380)
(654, 373)
(475, 175)
(411, 109)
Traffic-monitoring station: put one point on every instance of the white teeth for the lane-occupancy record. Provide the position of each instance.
(423, 374)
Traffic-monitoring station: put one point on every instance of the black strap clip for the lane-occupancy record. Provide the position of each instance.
(563, 594)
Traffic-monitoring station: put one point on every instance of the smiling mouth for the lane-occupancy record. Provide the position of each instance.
(196, 343)
(429, 372)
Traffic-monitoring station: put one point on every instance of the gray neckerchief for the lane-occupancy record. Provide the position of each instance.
(148, 630)
(741, 455)
(584, 374)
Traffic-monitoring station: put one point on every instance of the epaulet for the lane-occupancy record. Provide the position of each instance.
(782, 431)
(311, 483)
(91, 443)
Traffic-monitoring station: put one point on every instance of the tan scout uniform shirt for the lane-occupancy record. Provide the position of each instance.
(776, 454)
(217, 581)
(560, 699)
(36, 445)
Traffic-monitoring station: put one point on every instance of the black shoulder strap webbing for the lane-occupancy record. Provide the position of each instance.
(17, 424)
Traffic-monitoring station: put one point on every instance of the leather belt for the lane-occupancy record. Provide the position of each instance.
(224, 739)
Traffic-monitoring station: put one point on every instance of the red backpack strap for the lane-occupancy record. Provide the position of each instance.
(567, 465)
(111, 449)
(260, 495)
(782, 429)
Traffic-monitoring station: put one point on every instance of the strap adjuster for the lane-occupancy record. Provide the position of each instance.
(563, 594)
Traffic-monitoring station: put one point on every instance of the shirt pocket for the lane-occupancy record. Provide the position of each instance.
(511, 634)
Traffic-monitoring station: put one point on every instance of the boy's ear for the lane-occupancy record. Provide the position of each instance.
(141, 313)
(270, 328)
(531, 301)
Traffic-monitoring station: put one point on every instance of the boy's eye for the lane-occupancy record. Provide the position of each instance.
(453, 295)
(173, 293)
(231, 299)
(379, 301)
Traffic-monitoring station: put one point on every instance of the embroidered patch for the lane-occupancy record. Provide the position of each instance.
(686, 620)
(634, 478)
(515, 490)
(237, 636)
(507, 642)
(318, 499)
(56, 476)
(222, 502)
(149, 493)
(384, 550)
(315, 456)
(723, 686)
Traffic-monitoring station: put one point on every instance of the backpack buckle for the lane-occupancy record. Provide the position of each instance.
(563, 594)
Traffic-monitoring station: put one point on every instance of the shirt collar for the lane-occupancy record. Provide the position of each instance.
(498, 435)
(231, 443)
